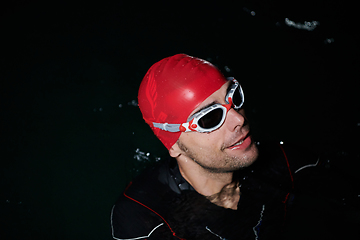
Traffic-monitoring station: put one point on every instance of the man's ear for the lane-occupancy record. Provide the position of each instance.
(175, 151)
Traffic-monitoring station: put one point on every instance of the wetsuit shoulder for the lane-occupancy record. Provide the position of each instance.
(140, 212)
(131, 220)
(299, 156)
(281, 161)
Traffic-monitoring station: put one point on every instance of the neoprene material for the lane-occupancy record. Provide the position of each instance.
(172, 88)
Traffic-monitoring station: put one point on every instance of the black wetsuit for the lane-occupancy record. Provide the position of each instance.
(160, 204)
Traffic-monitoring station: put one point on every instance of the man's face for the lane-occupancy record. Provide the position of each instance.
(226, 149)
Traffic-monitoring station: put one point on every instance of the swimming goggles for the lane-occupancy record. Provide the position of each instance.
(209, 118)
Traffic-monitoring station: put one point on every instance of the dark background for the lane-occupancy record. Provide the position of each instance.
(72, 135)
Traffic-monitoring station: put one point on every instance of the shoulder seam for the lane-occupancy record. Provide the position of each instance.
(112, 230)
(288, 165)
(173, 233)
(309, 165)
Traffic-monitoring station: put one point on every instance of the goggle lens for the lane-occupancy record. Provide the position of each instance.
(214, 117)
(211, 119)
(237, 97)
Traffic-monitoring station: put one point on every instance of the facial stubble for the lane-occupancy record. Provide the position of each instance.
(232, 163)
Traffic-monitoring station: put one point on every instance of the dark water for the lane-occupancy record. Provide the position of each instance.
(72, 136)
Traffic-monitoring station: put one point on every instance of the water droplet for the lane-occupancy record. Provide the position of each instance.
(133, 103)
(141, 156)
(329, 40)
(252, 13)
(281, 142)
(120, 105)
(309, 26)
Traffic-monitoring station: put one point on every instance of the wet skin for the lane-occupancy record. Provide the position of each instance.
(226, 149)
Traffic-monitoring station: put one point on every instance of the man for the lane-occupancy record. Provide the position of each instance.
(218, 183)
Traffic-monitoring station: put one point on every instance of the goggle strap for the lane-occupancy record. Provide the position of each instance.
(167, 126)
(185, 127)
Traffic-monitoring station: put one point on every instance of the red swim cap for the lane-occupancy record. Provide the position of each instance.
(172, 88)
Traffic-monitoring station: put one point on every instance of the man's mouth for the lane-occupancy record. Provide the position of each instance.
(238, 143)
(242, 143)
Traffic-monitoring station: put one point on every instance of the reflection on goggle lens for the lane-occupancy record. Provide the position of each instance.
(211, 119)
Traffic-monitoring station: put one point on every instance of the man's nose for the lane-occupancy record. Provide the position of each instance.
(234, 119)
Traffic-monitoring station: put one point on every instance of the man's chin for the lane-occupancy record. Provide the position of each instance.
(248, 156)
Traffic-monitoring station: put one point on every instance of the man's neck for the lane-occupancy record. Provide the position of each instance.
(203, 180)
